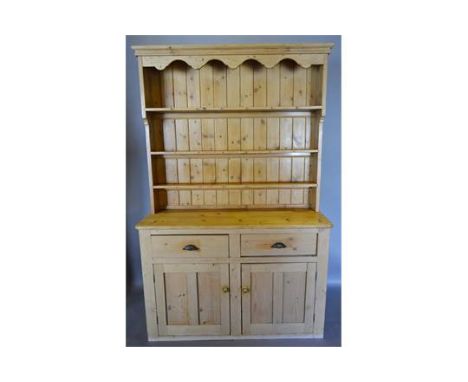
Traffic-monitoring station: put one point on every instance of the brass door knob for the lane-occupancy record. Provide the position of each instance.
(245, 290)
(225, 289)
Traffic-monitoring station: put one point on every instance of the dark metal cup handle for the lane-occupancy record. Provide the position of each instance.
(278, 245)
(190, 247)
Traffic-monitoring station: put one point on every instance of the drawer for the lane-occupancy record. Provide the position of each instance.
(190, 245)
(279, 244)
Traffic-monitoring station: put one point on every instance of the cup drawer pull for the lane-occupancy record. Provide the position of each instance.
(190, 247)
(278, 245)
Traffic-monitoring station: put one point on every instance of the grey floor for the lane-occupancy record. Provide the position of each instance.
(136, 327)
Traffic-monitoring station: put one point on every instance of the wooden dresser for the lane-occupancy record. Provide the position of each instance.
(235, 245)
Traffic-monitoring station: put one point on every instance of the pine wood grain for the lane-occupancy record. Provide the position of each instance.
(234, 141)
(235, 219)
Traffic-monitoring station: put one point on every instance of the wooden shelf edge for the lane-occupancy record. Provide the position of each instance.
(227, 186)
(227, 109)
(243, 207)
(236, 153)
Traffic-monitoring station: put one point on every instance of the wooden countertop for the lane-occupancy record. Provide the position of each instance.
(287, 218)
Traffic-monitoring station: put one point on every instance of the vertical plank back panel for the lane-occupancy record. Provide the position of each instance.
(169, 135)
(233, 87)
(260, 134)
(286, 83)
(247, 170)
(247, 134)
(185, 198)
(171, 171)
(260, 197)
(210, 197)
(197, 197)
(273, 170)
(196, 171)
(234, 170)
(208, 135)
(273, 86)
(259, 85)
(209, 170)
(167, 88)
(222, 197)
(179, 75)
(221, 137)
(206, 86)
(299, 132)
(219, 85)
(222, 170)
(260, 170)
(234, 134)
(215, 86)
(286, 133)
(183, 170)
(193, 87)
(273, 134)
(195, 135)
(246, 84)
(234, 198)
(156, 133)
(182, 134)
(300, 86)
(247, 197)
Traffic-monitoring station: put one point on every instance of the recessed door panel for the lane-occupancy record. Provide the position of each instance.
(192, 299)
(278, 298)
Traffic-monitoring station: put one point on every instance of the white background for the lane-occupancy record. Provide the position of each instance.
(62, 201)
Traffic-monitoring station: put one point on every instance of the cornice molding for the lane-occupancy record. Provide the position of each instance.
(269, 55)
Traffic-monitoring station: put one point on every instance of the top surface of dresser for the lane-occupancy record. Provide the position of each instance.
(170, 219)
(231, 49)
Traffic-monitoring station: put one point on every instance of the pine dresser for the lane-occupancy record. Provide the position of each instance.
(235, 245)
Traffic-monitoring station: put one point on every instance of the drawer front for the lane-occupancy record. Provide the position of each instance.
(279, 244)
(190, 245)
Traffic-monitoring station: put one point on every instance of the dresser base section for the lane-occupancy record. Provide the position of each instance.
(259, 337)
(242, 281)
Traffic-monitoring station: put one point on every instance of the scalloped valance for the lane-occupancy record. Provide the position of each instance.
(232, 56)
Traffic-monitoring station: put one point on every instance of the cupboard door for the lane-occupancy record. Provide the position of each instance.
(192, 299)
(278, 298)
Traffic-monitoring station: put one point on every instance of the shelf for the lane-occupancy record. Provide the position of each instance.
(227, 186)
(260, 153)
(247, 137)
(231, 109)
